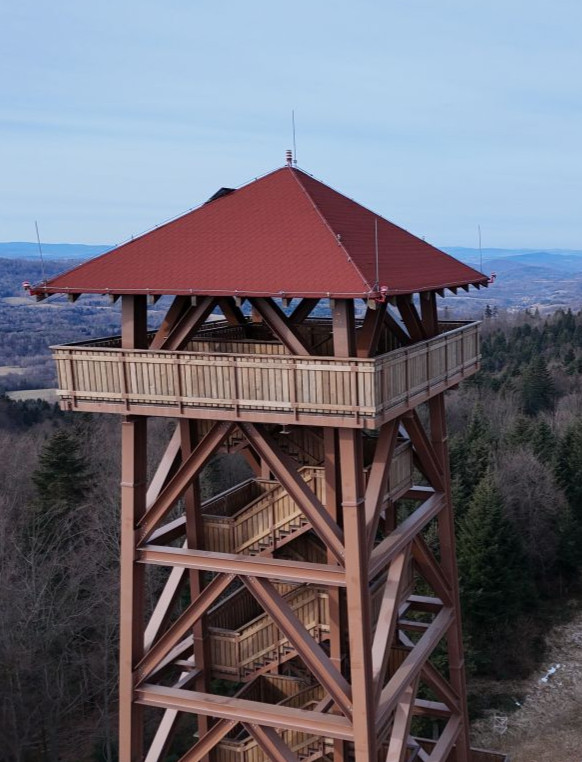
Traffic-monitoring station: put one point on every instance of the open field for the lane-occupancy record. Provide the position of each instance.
(48, 395)
(6, 370)
(548, 725)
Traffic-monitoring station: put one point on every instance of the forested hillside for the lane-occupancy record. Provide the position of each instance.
(516, 455)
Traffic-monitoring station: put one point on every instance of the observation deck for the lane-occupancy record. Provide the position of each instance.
(242, 373)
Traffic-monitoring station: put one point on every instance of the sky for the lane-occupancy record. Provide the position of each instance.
(441, 116)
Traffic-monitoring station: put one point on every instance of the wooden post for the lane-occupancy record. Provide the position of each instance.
(133, 506)
(336, 618)
(359, 623)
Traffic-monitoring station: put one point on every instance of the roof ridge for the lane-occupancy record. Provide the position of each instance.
(295, 173)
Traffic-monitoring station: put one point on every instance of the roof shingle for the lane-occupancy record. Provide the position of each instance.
(283, 234)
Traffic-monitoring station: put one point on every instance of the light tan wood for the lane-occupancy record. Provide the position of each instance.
(253, 381)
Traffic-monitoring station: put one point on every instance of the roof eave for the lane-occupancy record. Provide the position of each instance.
(47, 289)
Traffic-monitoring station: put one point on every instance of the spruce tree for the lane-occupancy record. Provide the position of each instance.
(62, 476)
(494, 584)
(537, 390)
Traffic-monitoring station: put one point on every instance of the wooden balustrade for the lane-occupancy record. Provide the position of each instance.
(259, 514)
(252, 386)
(239, 746)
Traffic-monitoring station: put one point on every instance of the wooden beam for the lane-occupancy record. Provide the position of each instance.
(165, 730)
(133, 476)
(210, 740)
(404, 533)
(387, 620)
(396, 329)
(188, 323)
(164, 605)
(358, 606)
(424, 450)
(244, 565)
(448, 565)
(441, 687)
(195, 540)
(430, 569)
(412, 665)
(224, 707)
(231, 311)
(424, 708)
(410, 317)
(303, 310)
(173, 315)
(181, 626)
(312, 654)
(377, 481)
(369, 334)
(398, 746)
(133, 506)
(344, 328)
(444, 745)
(167, 465)
(286, 472)
(271, 743)
(281, 326)
(428, 311)
(181, 480)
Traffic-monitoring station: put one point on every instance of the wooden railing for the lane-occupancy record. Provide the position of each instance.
(240, 647)
(244, 639)
(239, 746)
(319, 390)
(260, 514)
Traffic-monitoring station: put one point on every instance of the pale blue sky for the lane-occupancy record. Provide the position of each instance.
(439, 115)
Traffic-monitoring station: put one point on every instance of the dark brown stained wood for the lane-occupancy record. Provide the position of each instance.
(311, 551)
(281, 326)
(303, 310)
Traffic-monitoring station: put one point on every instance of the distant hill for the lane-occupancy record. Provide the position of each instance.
(26, 250)
(557, 259)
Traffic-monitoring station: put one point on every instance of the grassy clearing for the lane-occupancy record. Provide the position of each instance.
(48, 395)
(6, 370)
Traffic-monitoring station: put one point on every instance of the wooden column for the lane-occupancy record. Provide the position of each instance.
(359, 623)
(133, 506)
(446, 530)
(336, 620)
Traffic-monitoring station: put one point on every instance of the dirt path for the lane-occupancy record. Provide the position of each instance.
(548, 725)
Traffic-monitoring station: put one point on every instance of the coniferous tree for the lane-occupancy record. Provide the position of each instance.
(62, 476)
(537, 390)
(471, 454)
(544, 442)
(495, 589)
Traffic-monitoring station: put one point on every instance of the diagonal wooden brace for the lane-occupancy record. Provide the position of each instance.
(182, 479)
(182, 625)
(424, 450)
(310, 651)
(286, 472)
(271, 743)
(412, 665)
(281, 326)
(188, 323)
(430, 569)
(379, 477)
(208, 741)
(387, 620)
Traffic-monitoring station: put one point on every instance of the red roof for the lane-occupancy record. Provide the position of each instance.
(283, 234)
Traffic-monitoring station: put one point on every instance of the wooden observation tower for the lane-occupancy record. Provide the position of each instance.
(322, 588)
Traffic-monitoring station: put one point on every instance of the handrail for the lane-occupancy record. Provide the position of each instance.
(280, 387)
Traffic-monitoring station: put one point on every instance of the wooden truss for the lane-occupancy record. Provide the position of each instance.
(392, 601)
